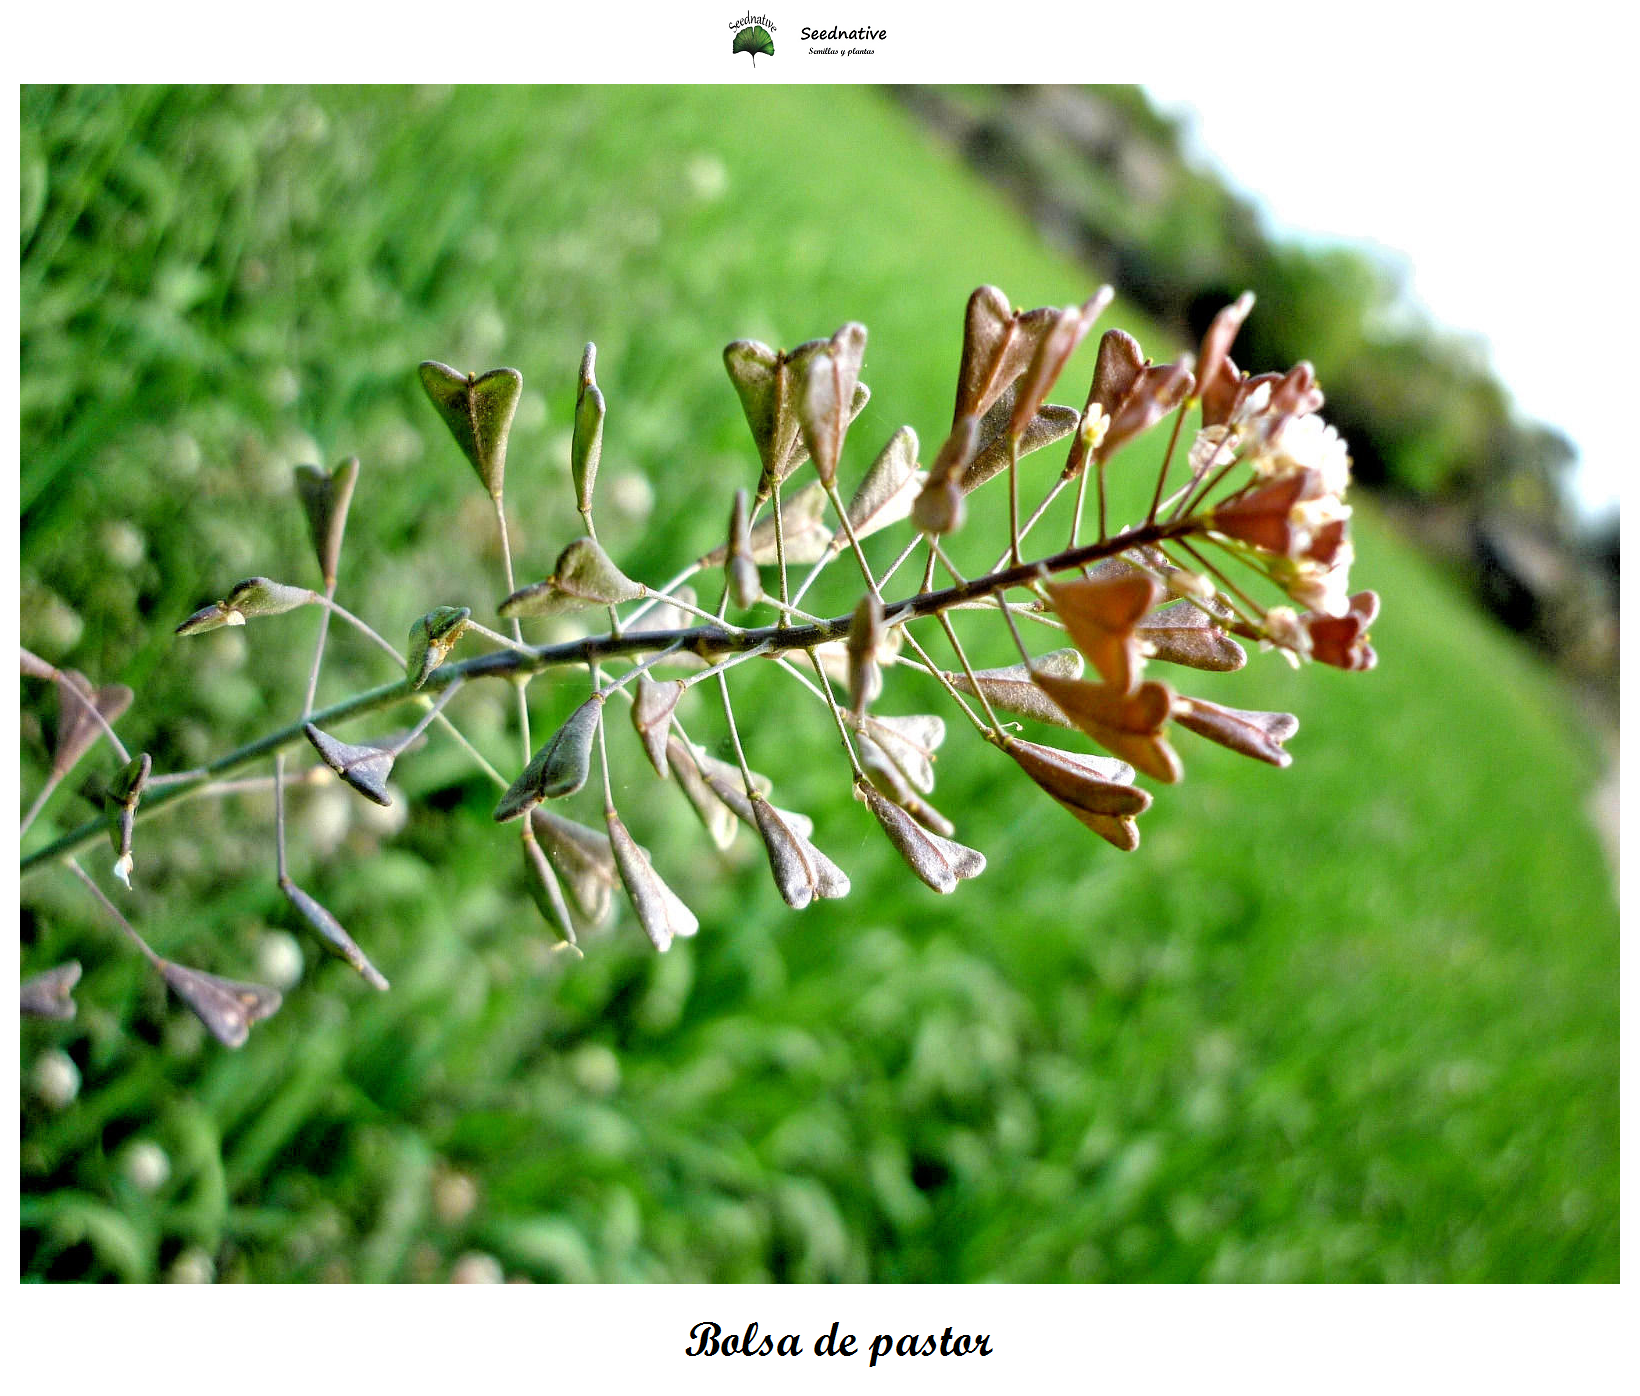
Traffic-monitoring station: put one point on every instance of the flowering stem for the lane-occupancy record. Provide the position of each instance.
(708, 641)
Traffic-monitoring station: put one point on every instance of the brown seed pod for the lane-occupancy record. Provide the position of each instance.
(582, 858)
(998, 344)
(939, 509)
(1252, 733)
(544, 887)
(559, 768)
(227, 1007)
(1129, 725)
(583, 576)
(365, 768)
(866, 634)
(1101, 616)
(1013, 690)
(660, 912)
(50, 994)
(745, 585)
(79, 706)
(1093, 789)
(887, 492)
(652, 709)
(1068, 329)
(1185, 634)
(718, 816)
(1050, 424)
(940, 862)
(801, 871)
(825, 397)
(766, 381)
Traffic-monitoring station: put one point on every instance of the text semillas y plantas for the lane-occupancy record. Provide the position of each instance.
(1255, 506)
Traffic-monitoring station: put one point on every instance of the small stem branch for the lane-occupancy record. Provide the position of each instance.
(967, 668)
(836, 715)
(517, 630)
(854, 542)
(279, 816)
(900, 561)
(780, 553)
(722, 667)
(404, 742)
(319, 647)
(113, 911)
(495, 635)
(1167, 460)
(1081, 497)
(1014, 537)
(39, 803)
(663, 595)
(729, 713)
(716, 619)
(364, 628)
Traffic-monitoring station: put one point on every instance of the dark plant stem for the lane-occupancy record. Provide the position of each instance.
(710, 642)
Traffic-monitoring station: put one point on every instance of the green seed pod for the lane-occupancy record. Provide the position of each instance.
(587, 444)
(431, 640)
(479, 412)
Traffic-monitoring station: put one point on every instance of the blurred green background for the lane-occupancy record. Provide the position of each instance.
(1354, 1020)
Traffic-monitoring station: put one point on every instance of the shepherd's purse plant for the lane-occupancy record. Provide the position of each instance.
(1245, 539)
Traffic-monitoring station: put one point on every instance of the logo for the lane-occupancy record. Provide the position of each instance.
(752, 36)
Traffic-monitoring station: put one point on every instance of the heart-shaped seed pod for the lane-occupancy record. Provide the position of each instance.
(479, 412)
(227, 1007)
(365, 768)
(325, 499)
(660, 912)
(583, 576)
(940, 862)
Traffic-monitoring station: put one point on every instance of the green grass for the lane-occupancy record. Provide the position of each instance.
(1354, 1020)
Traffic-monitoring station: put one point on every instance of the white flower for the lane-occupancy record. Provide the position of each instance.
(1310, 516)
(1282, 626)
(1324, 589)
(1095, 423)
(1190, 584)
(1306, 443)
(1213, 446)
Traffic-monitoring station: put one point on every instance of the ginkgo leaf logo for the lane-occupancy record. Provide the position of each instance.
(754, 41)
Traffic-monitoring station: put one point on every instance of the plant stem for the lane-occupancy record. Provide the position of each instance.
(712, 642)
